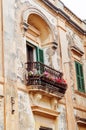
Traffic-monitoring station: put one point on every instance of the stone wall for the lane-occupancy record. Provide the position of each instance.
(15, 12)
(26, 119)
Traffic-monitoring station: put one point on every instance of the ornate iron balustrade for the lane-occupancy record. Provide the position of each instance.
(43, 77)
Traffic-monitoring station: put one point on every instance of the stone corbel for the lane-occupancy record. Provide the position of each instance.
(54, 103)
(35, 98)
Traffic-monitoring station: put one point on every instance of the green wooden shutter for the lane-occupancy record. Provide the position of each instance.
(39, 55)
(80, 77)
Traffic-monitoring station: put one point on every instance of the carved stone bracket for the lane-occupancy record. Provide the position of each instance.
(35, 98)
(54, 103)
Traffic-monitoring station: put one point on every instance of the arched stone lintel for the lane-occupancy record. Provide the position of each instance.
(34, 10)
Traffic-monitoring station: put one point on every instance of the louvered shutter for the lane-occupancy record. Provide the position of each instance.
(80, 77)
(39, 55)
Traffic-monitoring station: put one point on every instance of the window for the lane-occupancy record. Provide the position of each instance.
(45, 128)
(79, 76)
(30, 56)
(38, 53)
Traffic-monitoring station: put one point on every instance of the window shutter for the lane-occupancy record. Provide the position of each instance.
(77, 75)
(39, 55)
(80, 77)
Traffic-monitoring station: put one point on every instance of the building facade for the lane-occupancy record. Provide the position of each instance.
(42, 66)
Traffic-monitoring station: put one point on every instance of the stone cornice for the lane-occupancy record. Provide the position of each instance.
(81, 120)
(77, 50)
(57, 10)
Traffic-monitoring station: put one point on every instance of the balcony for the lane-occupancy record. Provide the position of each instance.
(44, 78)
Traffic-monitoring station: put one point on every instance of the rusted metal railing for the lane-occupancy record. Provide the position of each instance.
(47, 77)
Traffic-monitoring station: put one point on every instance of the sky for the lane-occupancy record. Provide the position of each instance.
(78, 7)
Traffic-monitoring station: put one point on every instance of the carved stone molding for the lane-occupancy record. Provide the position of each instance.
(38, 11)
(45, 112)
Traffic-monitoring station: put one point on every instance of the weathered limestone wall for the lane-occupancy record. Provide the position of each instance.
(62, 119)
(9, 39)
(11, 106)
(1, 40)
(14, 14)
(26, 119)
(9, 65)
(1, 71)
(66, 69)
(44, 121)
(1, 112)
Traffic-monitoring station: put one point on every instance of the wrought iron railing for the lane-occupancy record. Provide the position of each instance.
(45, 77)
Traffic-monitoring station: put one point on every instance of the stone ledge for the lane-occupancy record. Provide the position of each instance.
(81, 120)
(80, 93)
(79, 107)
(45, 112)
(77, 50)
(45, 93)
